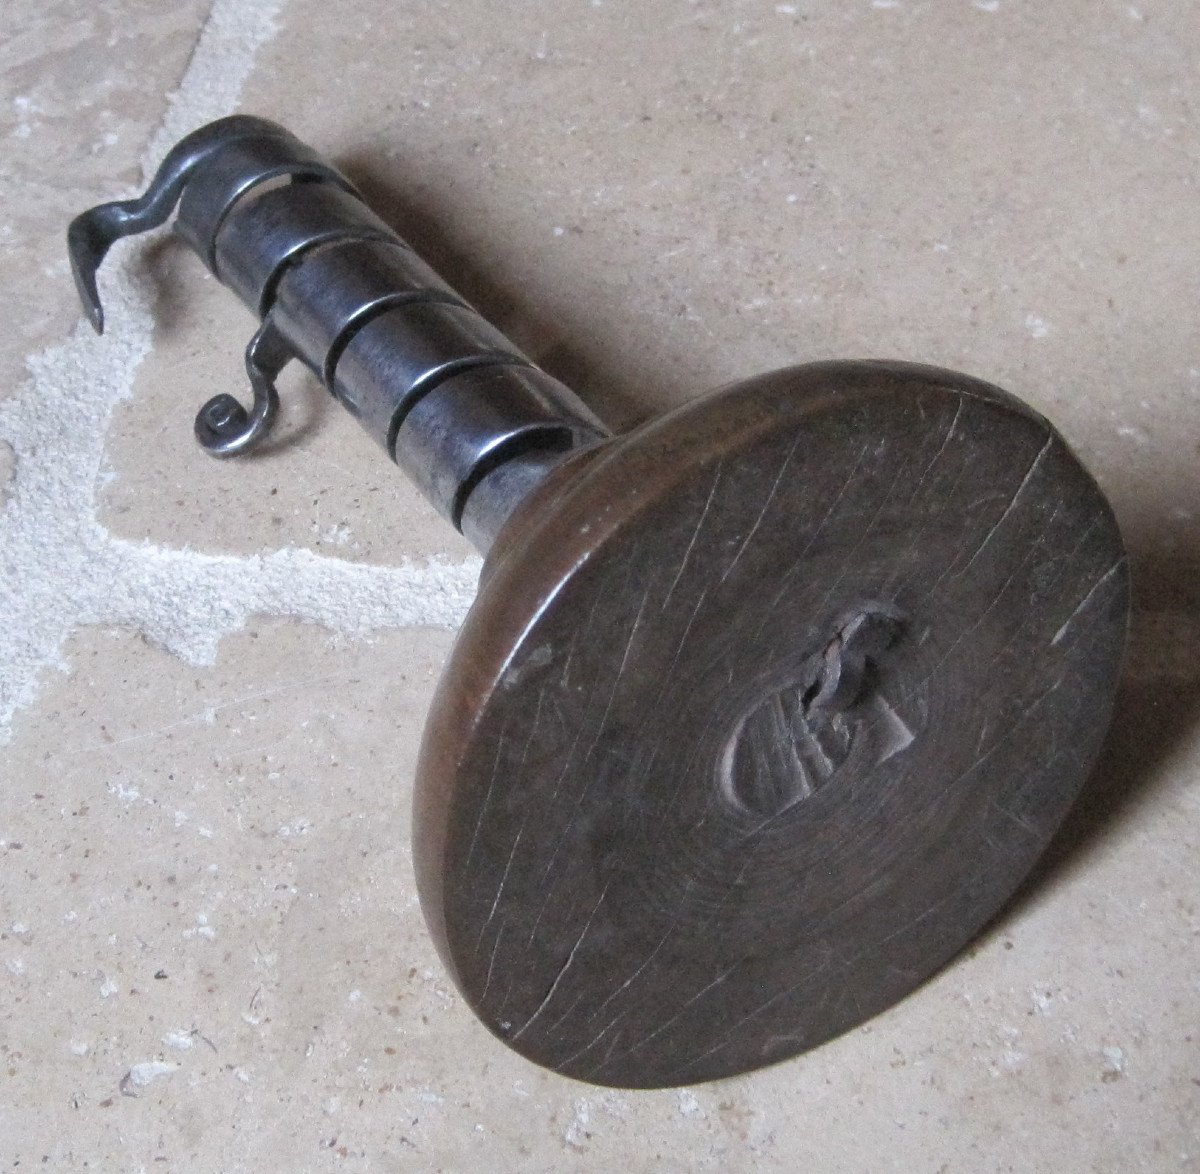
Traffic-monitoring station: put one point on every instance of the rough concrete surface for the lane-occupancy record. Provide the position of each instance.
(213, 675)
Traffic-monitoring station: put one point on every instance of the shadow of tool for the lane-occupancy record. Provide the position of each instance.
(540, 330)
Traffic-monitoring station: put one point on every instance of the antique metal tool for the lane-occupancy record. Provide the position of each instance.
(763, 709)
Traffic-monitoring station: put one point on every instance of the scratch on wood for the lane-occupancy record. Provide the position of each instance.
(500, 888)
(687, 554)
(594, 1041)
(487, 985)
(1012, 505)
(937, 456)
(587, 925)
(798, 561)
(1083, 603)
(787, 460)
(612, 696)
(651, 956)
(849, 560)
(487, 798)
(687, 631)
(716, 982)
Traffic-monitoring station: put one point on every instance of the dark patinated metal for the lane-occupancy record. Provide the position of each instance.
(763, 709)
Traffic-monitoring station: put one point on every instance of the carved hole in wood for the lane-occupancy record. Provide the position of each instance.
(798, 737)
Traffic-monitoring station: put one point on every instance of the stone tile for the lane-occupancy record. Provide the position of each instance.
(7, 465)
(82, 88)
(653, 200)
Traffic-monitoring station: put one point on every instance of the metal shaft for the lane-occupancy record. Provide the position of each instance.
(452, 401)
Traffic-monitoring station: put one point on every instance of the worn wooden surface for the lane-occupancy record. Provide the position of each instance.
(635, 877)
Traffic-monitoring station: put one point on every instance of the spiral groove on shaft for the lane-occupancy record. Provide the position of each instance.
(450, 399)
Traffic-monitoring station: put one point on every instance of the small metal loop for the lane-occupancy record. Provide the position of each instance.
(92, 233)
(223, 426)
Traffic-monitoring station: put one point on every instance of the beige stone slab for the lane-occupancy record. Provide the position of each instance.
(653, 199)
(84, 86)
(7, 466)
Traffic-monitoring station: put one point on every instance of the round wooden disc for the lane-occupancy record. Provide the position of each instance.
(761, 713)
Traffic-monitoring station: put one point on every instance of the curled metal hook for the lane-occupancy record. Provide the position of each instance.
(223, 426)
(92, 233)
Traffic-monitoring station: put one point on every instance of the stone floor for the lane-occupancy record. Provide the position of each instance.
(213, 677)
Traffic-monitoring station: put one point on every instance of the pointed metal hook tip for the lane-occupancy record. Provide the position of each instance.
(92, 233)
(87, 244)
